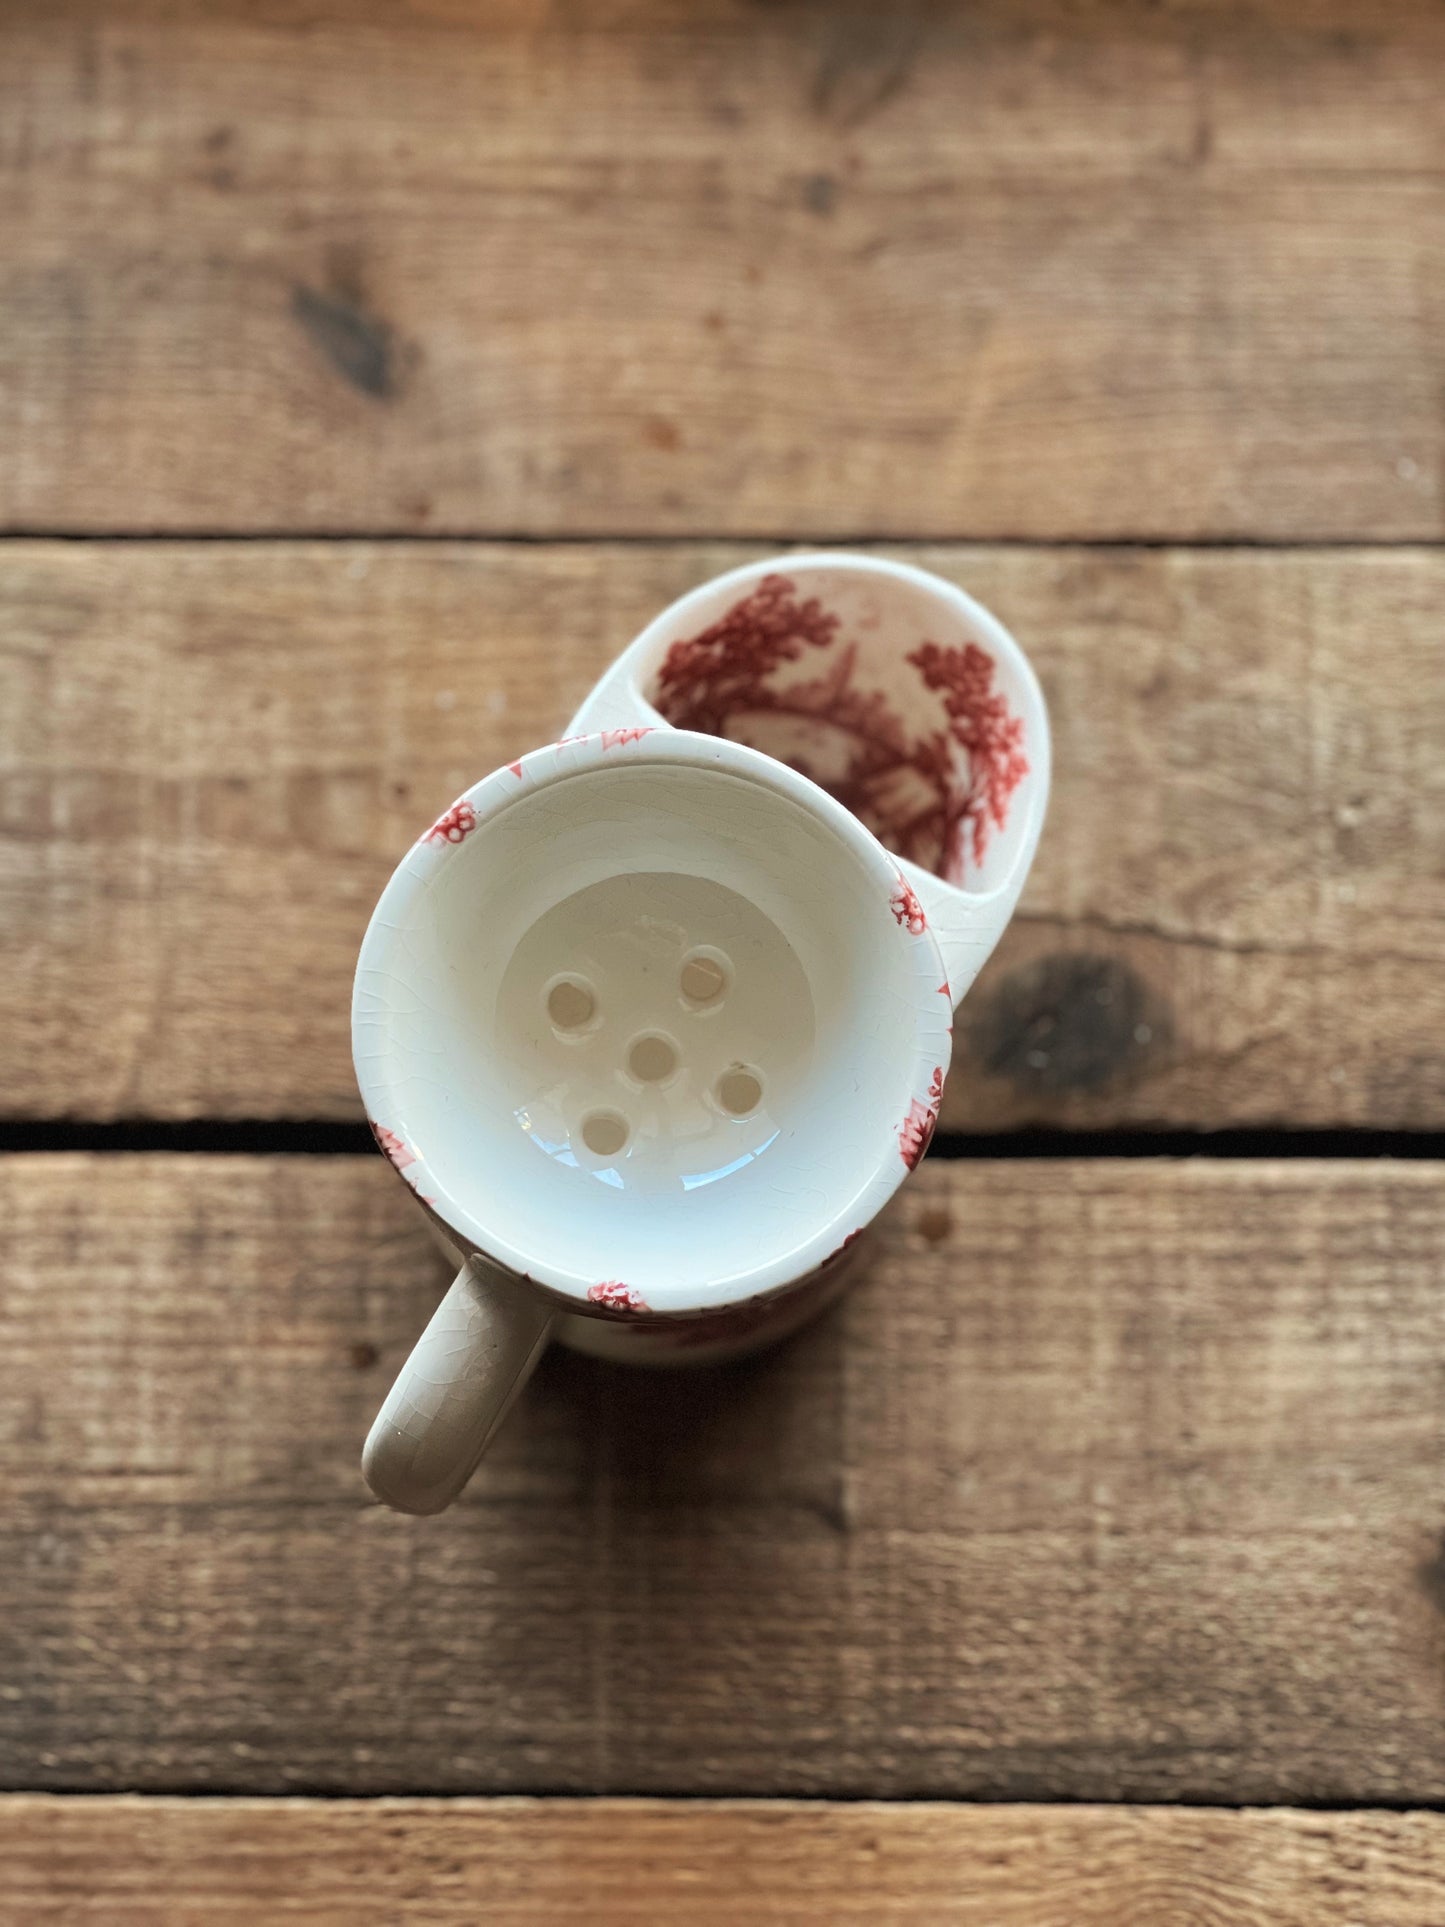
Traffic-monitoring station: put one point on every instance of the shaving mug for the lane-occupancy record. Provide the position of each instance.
(654, 1020)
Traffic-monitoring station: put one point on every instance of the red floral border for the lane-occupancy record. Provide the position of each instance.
(915, 1134)
(905, 906)
(397, 1151)
(617, 1296)
(457, 823)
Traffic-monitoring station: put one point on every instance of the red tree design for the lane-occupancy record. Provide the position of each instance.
(615, 738)
(981, 725)
(459, 821)
(704, 682)
(916, 1132)
(912, 789)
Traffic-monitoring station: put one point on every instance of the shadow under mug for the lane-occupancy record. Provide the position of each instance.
(655, 1020)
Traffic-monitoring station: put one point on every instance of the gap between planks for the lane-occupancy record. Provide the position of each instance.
(333, 1137)
(783, 539)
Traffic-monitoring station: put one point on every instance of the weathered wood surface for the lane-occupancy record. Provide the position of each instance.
(212, 756)
(1010, 268)
(1115, 1480)
(649, 1863)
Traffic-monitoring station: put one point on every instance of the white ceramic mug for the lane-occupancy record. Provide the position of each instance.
(651, 1020)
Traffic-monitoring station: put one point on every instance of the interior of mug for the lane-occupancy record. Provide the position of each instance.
(649, 1027)
(885, 687)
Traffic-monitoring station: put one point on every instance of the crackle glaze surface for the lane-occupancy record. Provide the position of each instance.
(605, 863)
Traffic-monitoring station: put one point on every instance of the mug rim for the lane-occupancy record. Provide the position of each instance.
(560, 762)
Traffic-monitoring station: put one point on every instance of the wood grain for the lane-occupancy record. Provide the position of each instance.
(992, 268)
(648, 1863)
(1112, 1480)
(211, 756)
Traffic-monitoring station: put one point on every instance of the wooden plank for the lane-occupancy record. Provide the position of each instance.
(1016, 268)
(213, 754)
(626, 1863)
(1112, 1480)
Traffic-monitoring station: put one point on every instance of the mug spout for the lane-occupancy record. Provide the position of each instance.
(888, 687)
(966, 924)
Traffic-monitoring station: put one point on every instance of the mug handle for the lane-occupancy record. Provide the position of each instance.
(479, 1350)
